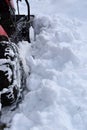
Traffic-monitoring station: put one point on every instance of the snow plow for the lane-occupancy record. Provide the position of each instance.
(11, 67)
(12, 76)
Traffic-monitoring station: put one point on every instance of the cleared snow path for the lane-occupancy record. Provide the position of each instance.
(58, 81)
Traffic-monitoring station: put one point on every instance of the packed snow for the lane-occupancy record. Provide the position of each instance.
(56, 68)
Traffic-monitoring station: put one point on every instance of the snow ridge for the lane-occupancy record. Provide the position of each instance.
(57, 84)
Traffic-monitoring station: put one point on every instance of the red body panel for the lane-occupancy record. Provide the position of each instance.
(2, 32)
(11, 3)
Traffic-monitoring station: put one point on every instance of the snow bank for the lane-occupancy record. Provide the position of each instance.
(72, 8)
(58, 81)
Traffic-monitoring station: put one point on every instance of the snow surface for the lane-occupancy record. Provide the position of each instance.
(57, 60)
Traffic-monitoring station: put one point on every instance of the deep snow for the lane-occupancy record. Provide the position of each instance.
(57, 60)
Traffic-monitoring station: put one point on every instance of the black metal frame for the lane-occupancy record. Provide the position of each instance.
(26, 21)
(28, 9)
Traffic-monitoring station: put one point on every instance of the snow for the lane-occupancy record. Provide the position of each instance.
(57, 62)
